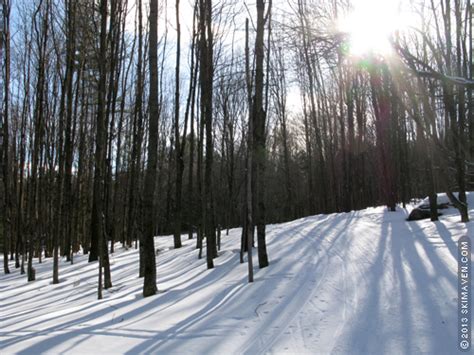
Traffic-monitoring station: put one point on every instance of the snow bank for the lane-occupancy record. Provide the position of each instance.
(443, 198)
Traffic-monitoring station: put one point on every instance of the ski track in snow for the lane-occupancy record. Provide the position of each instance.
(364, 282)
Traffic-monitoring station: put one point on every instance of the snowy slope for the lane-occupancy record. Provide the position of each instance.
(365, 282)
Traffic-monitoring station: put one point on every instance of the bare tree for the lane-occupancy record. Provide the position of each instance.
(149, 284)
(258, 131)
(5, 133)
(206, 75)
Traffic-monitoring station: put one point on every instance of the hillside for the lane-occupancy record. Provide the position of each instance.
(365, 282)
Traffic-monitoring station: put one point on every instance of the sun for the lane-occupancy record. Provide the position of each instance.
(370, 25)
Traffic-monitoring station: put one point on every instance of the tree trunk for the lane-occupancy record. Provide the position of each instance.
(259, 150)
(206, 84)
(248, 225)
(149, 282)
(98, 211)
(179, 159)
(5, 154)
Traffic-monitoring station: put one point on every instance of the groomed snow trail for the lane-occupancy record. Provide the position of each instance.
(365, 282)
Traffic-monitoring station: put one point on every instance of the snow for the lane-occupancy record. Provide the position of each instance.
(444, 199)
(364, 282)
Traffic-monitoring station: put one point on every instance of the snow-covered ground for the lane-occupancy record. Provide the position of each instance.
(365, 282)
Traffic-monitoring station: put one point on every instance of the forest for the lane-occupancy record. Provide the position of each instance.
(123, 120)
